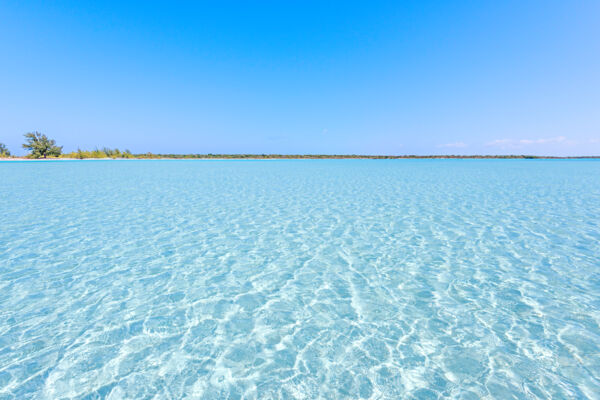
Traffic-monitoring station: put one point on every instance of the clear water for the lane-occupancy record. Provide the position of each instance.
(300, 279)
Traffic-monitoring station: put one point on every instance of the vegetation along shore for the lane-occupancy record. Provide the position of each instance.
(42, 148)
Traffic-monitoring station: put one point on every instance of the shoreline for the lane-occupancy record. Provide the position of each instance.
(304, 157)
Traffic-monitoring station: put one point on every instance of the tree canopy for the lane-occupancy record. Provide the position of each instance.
(4, 151)
(40, 146)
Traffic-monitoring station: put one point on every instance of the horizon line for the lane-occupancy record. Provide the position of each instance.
(150, 155)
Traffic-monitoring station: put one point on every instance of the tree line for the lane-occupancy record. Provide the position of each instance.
(40, 146)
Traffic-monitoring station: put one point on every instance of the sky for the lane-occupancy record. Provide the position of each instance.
(303, 77)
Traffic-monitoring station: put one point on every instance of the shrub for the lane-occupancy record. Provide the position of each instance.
(4, 151)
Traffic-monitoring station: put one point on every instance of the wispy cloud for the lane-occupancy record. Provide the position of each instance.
(520, 143)
(453, 145)
(558, 139)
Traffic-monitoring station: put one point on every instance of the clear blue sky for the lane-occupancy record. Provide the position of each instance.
(397, 77)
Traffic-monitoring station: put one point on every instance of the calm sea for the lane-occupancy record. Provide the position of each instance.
(300, 279)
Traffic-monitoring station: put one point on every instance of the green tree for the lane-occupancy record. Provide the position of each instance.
(4, 151)
(40, 146)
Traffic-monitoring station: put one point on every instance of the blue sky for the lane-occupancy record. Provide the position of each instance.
(398, 77)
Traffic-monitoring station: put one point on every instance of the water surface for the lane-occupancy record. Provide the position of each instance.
(300, 279)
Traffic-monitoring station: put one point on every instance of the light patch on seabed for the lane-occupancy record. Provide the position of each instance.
(413, 379)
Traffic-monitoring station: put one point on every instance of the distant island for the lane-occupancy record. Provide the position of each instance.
(152, 156)
(42, 148)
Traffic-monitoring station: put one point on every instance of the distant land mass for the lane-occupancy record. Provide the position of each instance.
(42, 147)
(122, 156)
(341, 156)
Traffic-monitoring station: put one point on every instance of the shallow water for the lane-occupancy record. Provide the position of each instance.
(300, 279)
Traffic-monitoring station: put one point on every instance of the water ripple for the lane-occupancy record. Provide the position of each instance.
(300, 279)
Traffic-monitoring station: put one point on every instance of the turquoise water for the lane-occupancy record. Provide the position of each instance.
(300, 279)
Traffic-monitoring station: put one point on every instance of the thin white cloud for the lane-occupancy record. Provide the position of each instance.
(520, 143)
(499, 142)
(558, 139)
(453, 145)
